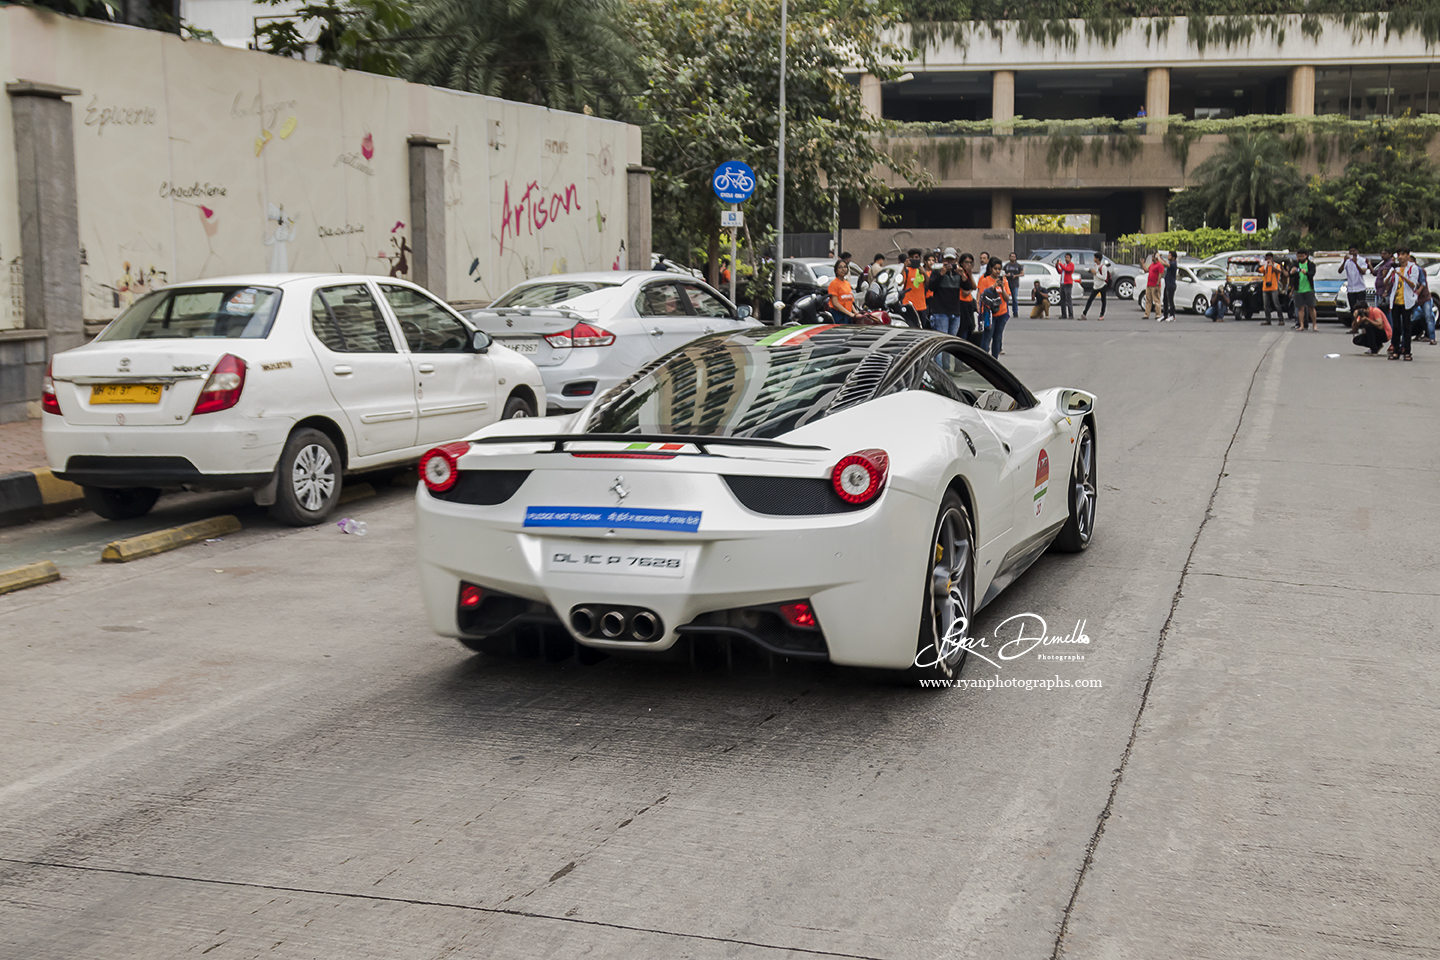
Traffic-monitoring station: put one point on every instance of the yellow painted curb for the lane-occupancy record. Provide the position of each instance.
(149, 544)
(30, 575)
(57, 497)
(359, 491)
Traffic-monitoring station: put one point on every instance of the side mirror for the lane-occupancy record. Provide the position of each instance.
(480, 342)
(1075, 403)
(743, 312)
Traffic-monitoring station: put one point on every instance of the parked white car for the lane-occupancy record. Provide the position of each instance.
(1195, 285)
(588, 331)
(280, 383)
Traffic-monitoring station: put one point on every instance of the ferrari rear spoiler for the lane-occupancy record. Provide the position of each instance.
(700, 442)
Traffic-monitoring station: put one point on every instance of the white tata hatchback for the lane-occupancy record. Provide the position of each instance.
(280, 383)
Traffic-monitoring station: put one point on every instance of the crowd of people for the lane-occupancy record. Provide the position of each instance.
(1404, 308)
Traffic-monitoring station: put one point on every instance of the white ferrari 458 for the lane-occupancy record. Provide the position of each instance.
(842, 493)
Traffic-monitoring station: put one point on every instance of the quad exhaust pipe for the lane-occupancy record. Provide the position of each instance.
(617, 623)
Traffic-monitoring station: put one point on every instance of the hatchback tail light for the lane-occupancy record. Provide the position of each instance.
(860, 477)
(222, 390)
(48, 401)
(440, 467)
(581, 335)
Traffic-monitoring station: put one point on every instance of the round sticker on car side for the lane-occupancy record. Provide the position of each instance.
(1042, 480)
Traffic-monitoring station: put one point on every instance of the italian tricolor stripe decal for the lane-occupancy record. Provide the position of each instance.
(1042, 480)
(656, 446)
(784, 338)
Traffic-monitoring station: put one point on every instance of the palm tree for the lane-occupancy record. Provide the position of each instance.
(566, 55)
(1251, 173)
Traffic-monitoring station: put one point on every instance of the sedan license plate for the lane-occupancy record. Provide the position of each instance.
(126, 393)
(568, 557)
(523, 346)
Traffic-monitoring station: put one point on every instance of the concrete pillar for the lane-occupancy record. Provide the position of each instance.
(1002, 99)
(637, 220)
(427, 214)
(1152, 213)
(1157, 98)
(49, 235)
(869, 215)
(871, 97)
(1301, 100)
(1002, 211)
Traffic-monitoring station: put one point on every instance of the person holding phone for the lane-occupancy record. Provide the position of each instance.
(1405, 296)
(1303, 276)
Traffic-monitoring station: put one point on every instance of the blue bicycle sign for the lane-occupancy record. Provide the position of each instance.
(734, 181)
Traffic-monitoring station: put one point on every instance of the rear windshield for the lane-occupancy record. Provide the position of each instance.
(232, 312)
(737, 386)
(548, 293)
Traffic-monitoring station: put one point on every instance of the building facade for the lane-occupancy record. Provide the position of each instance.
(1198, 70)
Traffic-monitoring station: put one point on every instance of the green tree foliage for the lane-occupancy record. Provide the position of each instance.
(1186, 210)
(1251, 175)
(1202, 243)
(565, 54)
(355, 34)
(712, 94)
(1388, 193)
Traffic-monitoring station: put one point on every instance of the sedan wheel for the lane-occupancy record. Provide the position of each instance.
(308, 486)
(949, 604)
(1125, 289)
(1080, 526)
(1054, 297)
(1201, 303)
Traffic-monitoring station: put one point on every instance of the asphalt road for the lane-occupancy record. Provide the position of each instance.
(255, 747)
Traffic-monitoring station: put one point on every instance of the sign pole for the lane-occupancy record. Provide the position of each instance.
(734, 264)
(780, 165)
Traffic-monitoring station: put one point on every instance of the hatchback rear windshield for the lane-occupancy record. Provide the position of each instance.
(549, 292)
(228, 312)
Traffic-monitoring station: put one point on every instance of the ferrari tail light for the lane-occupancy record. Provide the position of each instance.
(48, 401)
(440, 467)
(470, 596)
(581, 335)
(799, 614)
(222, 390)
(861, 476)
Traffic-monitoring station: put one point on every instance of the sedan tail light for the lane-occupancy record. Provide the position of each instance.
(48, 401)
(440, 467)
(861, 476)
(581, 335)
(222, 390)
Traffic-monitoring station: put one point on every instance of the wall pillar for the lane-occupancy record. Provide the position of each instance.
(1301, 100)
(637, 220)
(1002, 211)
(427, 214)
(872, 98)
(1002, 99)
(1157, 98)
(49, 237)
(1152, 212)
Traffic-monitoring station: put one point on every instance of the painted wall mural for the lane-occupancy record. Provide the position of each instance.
(201, 161)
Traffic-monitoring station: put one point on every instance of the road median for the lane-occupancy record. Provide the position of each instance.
(149, 544)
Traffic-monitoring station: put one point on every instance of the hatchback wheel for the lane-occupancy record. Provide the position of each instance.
(1054, 297)
(309, 483)
(1201, 303)
(120, 504)
(1125, 289)
(517, 407)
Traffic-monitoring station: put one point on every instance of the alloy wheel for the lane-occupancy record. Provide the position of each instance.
(952, 585)
(1083, 495)
(313, 476)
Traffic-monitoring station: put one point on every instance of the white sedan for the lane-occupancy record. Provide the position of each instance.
(841, 493)
(588, 331)
(1195, 285)
(280, 383)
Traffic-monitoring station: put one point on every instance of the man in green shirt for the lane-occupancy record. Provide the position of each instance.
(1303, 276)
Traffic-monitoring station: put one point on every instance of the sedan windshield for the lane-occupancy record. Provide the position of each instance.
(231, 312)
(548, 293)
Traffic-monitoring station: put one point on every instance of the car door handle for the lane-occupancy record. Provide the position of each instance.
(342, 370)
(426, 368)
(657, 332)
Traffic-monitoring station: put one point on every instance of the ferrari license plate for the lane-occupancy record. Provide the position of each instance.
(561, 556)
(126, 393)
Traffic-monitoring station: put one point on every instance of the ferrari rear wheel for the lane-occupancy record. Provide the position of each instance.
(1080, 527)
(949, 602)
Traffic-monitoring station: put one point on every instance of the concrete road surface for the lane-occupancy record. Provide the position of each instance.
(256, 747)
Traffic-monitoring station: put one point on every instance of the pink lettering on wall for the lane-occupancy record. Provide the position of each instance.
(534, 210)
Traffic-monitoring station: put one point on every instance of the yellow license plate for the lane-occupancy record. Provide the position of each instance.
(126, 393)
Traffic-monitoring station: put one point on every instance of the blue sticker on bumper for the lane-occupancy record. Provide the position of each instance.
(634, 519)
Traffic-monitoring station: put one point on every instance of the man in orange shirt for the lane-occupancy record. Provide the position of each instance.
(1271, 273)
(842, 295)
(912, 282)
